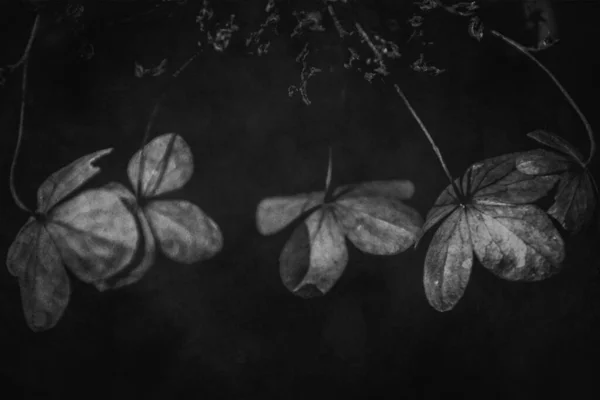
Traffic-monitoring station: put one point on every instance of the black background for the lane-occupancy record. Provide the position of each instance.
(228, 328)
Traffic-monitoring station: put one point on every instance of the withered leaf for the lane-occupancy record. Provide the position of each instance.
(87, 233)
(491, 217)
(575, 198)
(371, 215)
(181, 229)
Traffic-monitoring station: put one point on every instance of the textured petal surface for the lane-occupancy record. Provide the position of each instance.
(515, 242)
(95, 233)
(378, 225)
(275, 213)
(396, 189)
(557, 143)
(542, 162)
(575, 201)
(446, 202)
(135, 272)
(184, 232)
(64, 181)
(20, 248)
(315, 256)
(45, 287)
(448, 262)
(498, 179)
(168, 165)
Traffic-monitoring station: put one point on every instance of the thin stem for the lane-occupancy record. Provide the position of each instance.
(588, 128)
(13, 191)
(25, 55)
(151, 121)
(24, 61)
(329, 167)
(426, 132)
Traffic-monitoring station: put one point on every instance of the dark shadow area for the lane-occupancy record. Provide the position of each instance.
(227, 328)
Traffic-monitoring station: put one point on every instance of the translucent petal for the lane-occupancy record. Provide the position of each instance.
(95, 233)
(315, 256)
(378, 225)
(168, 165)
(64, 181)
(184, 232)
(448, 262)
(275, 213)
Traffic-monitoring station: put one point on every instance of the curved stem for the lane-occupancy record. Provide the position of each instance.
(25, 55)
(24, 60)
(588, 128)
(426, 132)
(13, 191)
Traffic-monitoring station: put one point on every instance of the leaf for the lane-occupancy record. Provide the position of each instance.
(168, 165)
(513, 239)
(378, 225)
(542, 162)
(37, 254)
(45, 287)
(446, 202)
(497, 179)
(399, 189)
(494, 179)
(275, 213)
(184, 232)
(372, 215)
(64, 181)
(448, 262)
(517, 243)
(315, 256)
(133, 274)
(95, 233)
(575, 199)
(557, 143)
(34, 259)
(20, 249)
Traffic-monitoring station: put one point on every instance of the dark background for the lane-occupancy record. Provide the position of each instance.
(228, 328)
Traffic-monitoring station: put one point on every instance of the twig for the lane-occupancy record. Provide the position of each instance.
(588, 128)
(338, 26)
